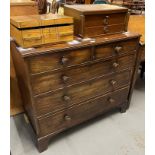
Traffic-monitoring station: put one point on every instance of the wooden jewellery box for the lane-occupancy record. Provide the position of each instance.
(35, 30)
(99, 19)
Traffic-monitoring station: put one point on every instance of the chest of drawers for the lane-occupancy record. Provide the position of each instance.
(99, 19)
(64, 85)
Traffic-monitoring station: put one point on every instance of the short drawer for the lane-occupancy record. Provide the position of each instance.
(52, 81)
(116, 49)
(53, 61)
(52, 102)
(104, 30)
(79, 113)
(104, 19)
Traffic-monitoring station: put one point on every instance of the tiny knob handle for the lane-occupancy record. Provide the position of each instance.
(67, 118)
(118, 48)
(115, 64)
(113, 82)
(65, 78)
(106, 29)
(64, 60)
(111, 100)
(66, 98)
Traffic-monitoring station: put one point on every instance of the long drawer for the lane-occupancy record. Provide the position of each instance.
(52, 102)
(79, 113)
(51, 81)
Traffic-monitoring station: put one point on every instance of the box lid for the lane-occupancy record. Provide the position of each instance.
(97, 8)
(30, 21)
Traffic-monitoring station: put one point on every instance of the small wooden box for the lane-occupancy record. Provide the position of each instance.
(97, 19)
(33, 30)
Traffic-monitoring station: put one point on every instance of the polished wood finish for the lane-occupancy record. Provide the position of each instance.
(63, 85)
(34, 30)
(23, 7)
(99, 19)
(18, 8)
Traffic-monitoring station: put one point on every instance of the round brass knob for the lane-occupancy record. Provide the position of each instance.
(67, 118)
(65, 78)
(118, 48)
(66, 98)
(115, 64)
(105, 21)
(111, 100)
(64, 60)
(106, 29)
(113, 82)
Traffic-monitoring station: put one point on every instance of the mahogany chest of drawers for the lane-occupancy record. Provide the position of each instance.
(99, 19)
(64, 85)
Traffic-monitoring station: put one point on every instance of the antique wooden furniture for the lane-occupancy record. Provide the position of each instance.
(99, 19)
(64, 85)
(35, 30)
(23, 7)
(17, 8)
(137, 24)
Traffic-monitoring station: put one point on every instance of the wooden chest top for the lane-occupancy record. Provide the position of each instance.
(40, 20)
(97, 8)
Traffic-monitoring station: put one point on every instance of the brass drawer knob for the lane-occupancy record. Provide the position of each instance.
(64, 60)
(67, 118)
(66, 98)
(105, 29)
(118, 48)
(115, 64)
(111, 100)
(65, 78)
(105, 20)
(113, 82)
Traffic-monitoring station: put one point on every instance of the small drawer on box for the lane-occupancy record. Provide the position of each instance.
(65, 33)
(51, 30)
(104, 19)
(52, 61)
(32, 37)
(103, 30)
(116, 49)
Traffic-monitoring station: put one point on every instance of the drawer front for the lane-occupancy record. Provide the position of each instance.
(73, 95)
(65, 33)
(51, 81)
(116, 49)
(51, 124)
(81, 93)
(104, 19)
(94, 107)
(48, 62)
(104, 30)
(80, 113)
(32, 37)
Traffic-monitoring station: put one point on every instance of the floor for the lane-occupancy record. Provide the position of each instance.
(111, 134)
